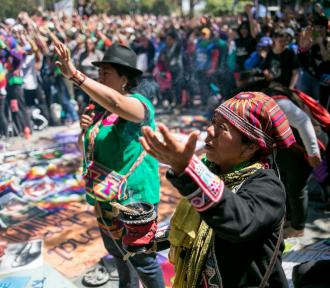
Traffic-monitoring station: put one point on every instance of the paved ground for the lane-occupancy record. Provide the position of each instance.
(37, 139)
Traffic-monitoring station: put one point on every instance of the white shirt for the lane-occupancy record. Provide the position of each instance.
(301, 121)
(29, 73)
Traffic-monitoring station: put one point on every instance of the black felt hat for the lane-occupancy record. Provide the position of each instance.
(120, 55)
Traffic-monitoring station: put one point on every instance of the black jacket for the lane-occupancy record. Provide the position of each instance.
(246, 225)
(312, 62)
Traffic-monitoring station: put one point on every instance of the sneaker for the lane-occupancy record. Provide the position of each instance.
(97, 276)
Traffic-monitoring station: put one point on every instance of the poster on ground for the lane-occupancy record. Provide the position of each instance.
(14, 210)
(22, 256)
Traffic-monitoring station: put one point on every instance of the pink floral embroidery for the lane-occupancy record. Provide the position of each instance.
(215, 185)
(212, 187)
(111, 120)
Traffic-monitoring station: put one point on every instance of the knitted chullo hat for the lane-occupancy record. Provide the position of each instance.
(259, 118)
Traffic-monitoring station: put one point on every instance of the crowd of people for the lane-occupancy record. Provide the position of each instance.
(182, 59)
(52, 66)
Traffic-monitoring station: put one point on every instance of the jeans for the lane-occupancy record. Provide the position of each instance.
(204, 81)
(37, 98)
(225, 79)
(309, 85)
(143, 266)
(19, 110)
(177, 83)
(3, 118)
(64, 99)
(294, 171)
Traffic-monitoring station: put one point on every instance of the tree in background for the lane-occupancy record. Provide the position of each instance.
(10, 8)
(218, 7)
(102, 6)
(139, 6)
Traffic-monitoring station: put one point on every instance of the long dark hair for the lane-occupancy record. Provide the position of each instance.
(124, 71)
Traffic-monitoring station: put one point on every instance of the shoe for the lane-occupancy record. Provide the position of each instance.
(290, 232)
(98, 276)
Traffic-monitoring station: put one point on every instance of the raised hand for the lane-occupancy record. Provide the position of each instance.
(305, 39)
(64, 60)
(170, 151)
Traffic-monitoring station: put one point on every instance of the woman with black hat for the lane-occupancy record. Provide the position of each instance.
(111, 128)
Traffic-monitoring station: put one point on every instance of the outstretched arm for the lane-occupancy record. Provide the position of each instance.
(125, 107)
(231, 215)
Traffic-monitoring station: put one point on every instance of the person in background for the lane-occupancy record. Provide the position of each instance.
(86, 58)
(33, 93)
(89, 54)
(206, 62)
(81, 6)
(246, 41)
(145, 50)
(13, 56)
(3, 93)
(173, 57)
(314, 57)
(291, 39)
(281, 64)
(70, 114)
(257, 58)
(163, 77)
(90, 8)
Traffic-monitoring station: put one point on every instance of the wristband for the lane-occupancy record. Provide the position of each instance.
(78, 78)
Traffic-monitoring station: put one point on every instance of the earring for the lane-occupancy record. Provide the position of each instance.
(123, 87)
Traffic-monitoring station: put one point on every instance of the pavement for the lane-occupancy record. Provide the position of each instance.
(37, 139)
(318, 222)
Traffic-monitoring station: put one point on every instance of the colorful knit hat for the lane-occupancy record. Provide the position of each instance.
(259, 118)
